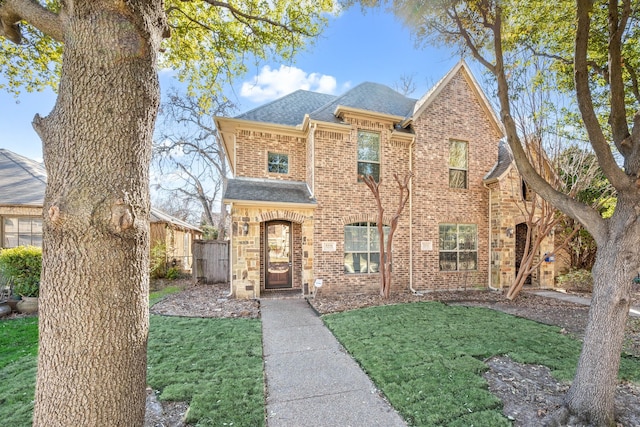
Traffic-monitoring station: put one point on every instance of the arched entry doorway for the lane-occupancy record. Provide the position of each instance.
(278, 238)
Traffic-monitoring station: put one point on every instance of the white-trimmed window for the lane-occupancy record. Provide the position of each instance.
(458, 247)
(458, 164)
(369, 154)
(362, 247)
(277, 162)
(21, 231)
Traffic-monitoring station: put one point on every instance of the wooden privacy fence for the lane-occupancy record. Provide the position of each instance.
(210, 261)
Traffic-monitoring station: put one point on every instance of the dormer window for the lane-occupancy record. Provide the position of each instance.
(278, 163)
(369, 154)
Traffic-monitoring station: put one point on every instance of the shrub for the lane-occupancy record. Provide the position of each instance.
(578, 280)
(157, 262)
(173, 273)
(22, 265)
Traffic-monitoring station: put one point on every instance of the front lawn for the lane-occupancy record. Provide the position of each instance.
(215, 364)
(427, 357)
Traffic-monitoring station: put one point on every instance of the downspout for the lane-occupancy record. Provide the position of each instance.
(313, 159)
(231, 253)
(411, 220)
(489, 278)
(235, 164)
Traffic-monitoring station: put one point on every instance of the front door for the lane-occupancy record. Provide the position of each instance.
(278, 255)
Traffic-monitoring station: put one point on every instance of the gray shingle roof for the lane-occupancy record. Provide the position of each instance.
(505, 158)
(291, 109)
(368, 96)
(288, 110)
(156, 215)
(263, 190)
(22, 180)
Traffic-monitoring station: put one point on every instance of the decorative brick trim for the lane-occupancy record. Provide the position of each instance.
(399, 143)
(267, 135)
(367, 124)
(365, 217)
(282, 215)
(336, 136)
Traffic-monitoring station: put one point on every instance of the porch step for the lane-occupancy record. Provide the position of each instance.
(281, 293)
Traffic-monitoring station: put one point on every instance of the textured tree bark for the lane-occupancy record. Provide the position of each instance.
(97, 150)
(590, 399)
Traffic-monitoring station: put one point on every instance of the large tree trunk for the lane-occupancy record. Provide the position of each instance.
(591, 396)
(97, 150)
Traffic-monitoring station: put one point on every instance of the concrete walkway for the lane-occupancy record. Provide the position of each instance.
(633, 311)
(311, 380)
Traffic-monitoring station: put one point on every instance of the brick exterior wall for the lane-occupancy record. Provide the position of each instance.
(343, 200)
(455, 114)
(253, 147)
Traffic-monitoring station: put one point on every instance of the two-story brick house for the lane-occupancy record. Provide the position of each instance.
(300, 214)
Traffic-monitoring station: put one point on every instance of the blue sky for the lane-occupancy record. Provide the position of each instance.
(355, 48)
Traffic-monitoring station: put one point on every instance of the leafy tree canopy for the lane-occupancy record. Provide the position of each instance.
(211, 41)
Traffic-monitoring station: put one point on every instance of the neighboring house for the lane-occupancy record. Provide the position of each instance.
(176, 235)
(22, 187)
(300, 214)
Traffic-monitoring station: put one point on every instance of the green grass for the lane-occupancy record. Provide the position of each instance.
(428, 357)
(157, 296)
(18, 360)
(215, 364)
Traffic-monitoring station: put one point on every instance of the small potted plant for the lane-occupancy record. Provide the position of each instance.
(23, 265)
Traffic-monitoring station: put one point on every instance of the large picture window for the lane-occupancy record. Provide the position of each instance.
(458, 164)
(458, 247)
(278, 163)
(369, 154)
(22, 231)
(362, 247)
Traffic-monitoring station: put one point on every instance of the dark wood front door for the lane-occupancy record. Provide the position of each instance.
(278, 255)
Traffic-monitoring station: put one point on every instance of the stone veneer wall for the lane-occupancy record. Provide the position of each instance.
(247, 250)
(507, 212)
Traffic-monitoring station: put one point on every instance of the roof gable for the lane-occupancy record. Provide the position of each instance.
(460, 68)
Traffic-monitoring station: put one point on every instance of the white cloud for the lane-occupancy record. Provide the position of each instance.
(271, 84)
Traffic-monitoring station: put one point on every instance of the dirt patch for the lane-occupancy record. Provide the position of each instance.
(529, 393)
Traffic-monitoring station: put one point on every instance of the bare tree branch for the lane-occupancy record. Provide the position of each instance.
(246, 18)
(31, 11)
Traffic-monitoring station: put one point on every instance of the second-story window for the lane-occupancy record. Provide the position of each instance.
(278, 163)
(369, 154)
(458, 164)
